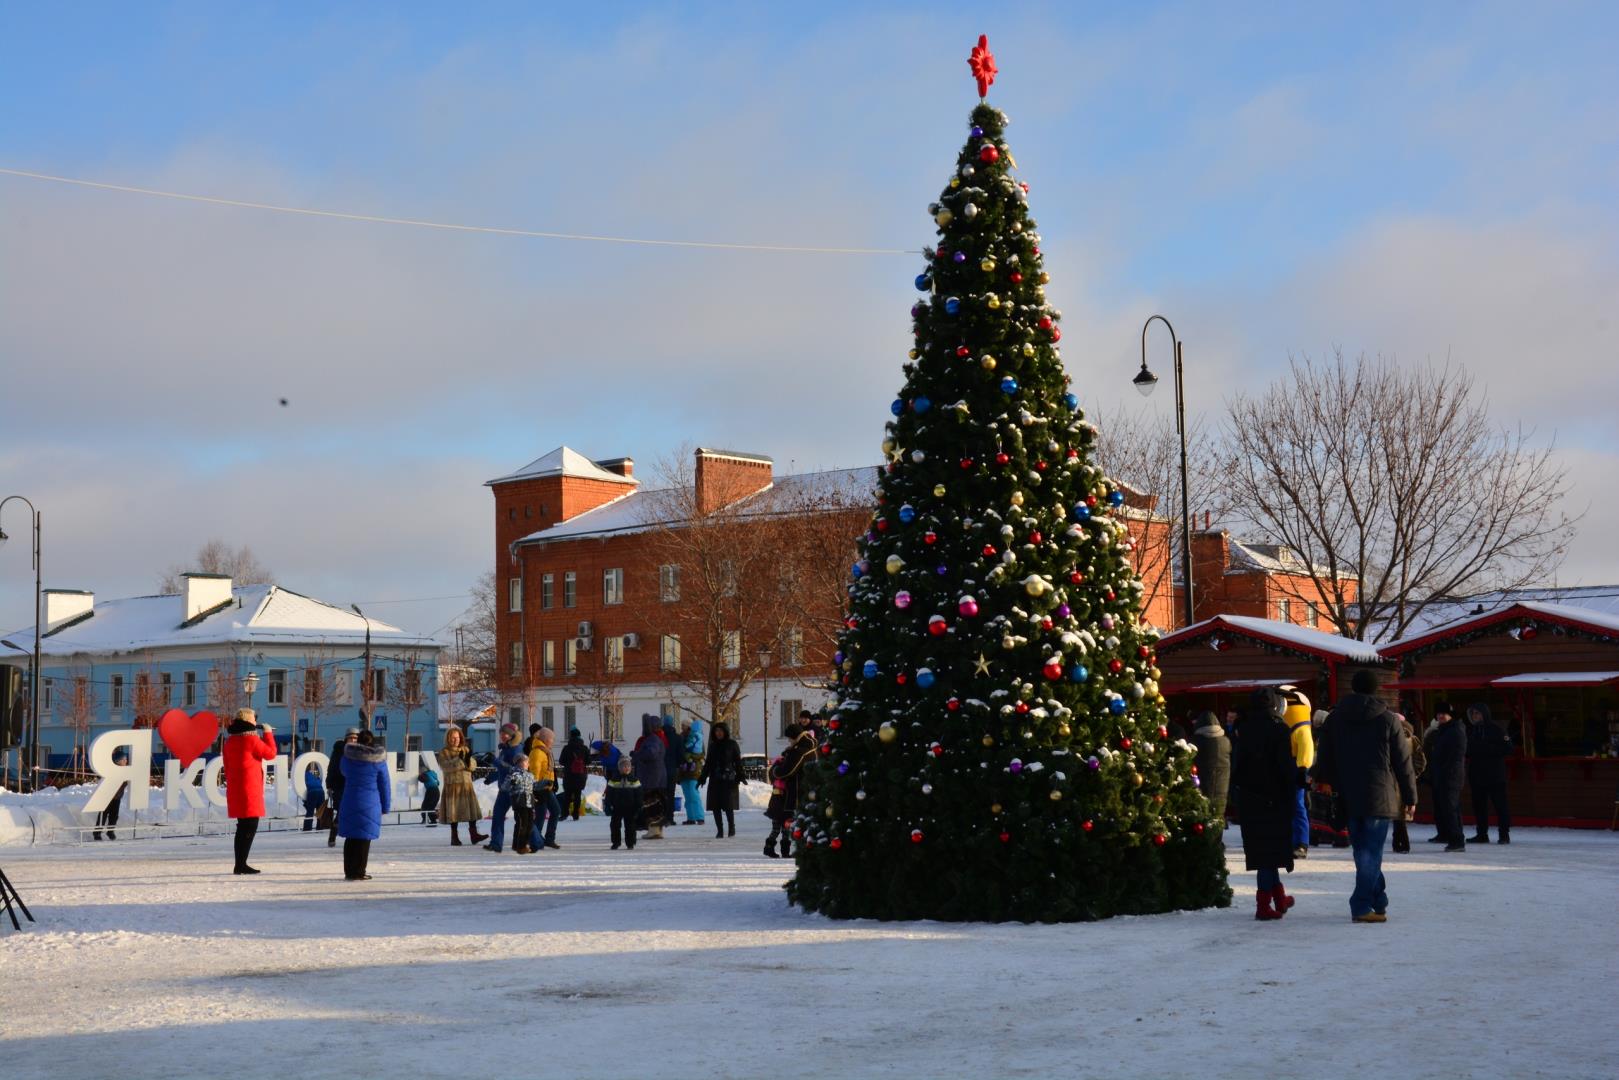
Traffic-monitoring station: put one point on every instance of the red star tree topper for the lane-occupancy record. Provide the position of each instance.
(982, 61)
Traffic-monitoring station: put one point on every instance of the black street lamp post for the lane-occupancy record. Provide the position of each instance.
(34, 684)
(1145, 381)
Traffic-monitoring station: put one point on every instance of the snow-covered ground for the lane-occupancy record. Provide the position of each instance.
(682, 959)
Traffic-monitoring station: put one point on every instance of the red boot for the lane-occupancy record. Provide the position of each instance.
(1284, 903)
(1263, 910)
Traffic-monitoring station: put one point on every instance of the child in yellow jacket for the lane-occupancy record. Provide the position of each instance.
(1297, 719)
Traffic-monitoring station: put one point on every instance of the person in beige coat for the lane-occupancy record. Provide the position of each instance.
(458, 801)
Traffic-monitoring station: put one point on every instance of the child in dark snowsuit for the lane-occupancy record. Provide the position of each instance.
(520, 790)
(622, 801)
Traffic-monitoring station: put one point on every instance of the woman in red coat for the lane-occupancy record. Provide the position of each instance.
(249, 745)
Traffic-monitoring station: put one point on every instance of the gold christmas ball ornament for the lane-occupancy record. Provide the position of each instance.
(887, 733)
(889, 445)
(1055, 795)
(995, 808)
(894, 564)
(955, 181)
(1017, 498)
(1064, 730)
(989, 740)
(1136, 779)
(988, 362)
(987, 266)
(944, 216)
(913, 354)
(1045, 278)
(938, 491)
(994, 302)
(1028, 349)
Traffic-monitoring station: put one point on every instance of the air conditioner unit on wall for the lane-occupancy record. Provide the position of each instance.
(632, 641)
(582, 643)
(585, 630)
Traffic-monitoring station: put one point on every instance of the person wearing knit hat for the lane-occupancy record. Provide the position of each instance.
(505, 761)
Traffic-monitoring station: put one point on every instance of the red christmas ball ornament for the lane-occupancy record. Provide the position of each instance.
(1163, 732)
(851, 622)
(966, 463)
(1022, 707)
(1002, 458)
(1087, 825)
(930, 537)
(1040, 466)
(834, 724)
(836, 844)
(1073, 455)
(937, 626)
(1056, 333)
(798, 834)
(826, 748)
(902, 678)
(1197, 827)
(989, 551)
(1006, 838)
(1016, 277)
(1090, 500)
(882, 524)
(953, 705)
(916, 836)
(1125, 743)
(1053, 669)
(1046, 623)
(962, 350)
(1143, 652)
(1035, 537)
(1076, 578)
(1160, 839)
(936, 750)
(1115, 665)
(989, 154)
(1044, 323)
(1111, 595)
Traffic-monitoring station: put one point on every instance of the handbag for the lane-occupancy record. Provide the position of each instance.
(323, 817)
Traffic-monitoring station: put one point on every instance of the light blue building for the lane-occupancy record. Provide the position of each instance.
(300, 663)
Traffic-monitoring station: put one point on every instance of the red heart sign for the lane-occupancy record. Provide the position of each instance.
(187, 736)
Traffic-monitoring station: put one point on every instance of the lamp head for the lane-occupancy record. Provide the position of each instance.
(1145, 381)
(3, 537)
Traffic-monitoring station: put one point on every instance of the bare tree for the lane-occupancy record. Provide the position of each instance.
(225, 691)
(598, 682)
(313, 691)
(78, 708)
(218, 557)
(151, 697)
(815, 526)
(1395, 488)
(407, 686)
(477, 665)
(1142, 452)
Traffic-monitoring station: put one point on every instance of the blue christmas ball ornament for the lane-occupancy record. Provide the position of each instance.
(1009, 385)
(923, 282)
(907, 513)
(1115, 498)
(952, 306)
(898, 407)
(941, 569)
(843, 768)
(1082, 512)
(922, 405)
(837, 658)
(856, 572)
(1079, 673)
(870, 669)
(977, 132)
(1072, 401)
(1116, 706)
(924, 678)
(959, 257)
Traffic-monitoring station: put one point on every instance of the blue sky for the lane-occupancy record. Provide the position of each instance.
(1422, 181)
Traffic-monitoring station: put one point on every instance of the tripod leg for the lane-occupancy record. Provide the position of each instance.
(10, 895)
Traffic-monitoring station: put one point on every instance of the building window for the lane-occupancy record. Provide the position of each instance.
(613, 585)
(511, 513)
(570, 656)
(613, 654)
(312, 687)
(570, 716)
(548, 584)
(1314, 611)
(669, 583)
(514, 594)
(548, 717)
(167, 681)
(514, 715)
(117, 691)
(727, 578)
(342, 688)
(275, 690)
(788, 710)
(45, 702)
(731, 650)
(1284, 610)
(413, 742)
(212, 689)
(548, 659)
(516, 659)
(570, 588)
(188, 688)
(612, 722)
(792, 647)
(669, 653)
(379, 685)
(412, 686)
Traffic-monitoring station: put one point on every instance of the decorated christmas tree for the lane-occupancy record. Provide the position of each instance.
(998, 749)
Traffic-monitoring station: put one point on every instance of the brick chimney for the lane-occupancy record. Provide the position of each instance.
(723, 477)
(203, 592)
(621, 466)
(63, 606)
(1211, 555)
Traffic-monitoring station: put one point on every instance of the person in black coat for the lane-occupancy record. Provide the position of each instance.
(1488, 746)
(1366, 755)
(1266, 779)
(1447, 755)
(334, 781)
(573, 768)
(722, 772)
(1213, 762)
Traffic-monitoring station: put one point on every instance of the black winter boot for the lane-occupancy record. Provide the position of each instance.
(770, 846)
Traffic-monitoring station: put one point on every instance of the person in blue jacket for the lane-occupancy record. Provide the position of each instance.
(505, 761)
(429, 782)
(691, 763)
(608, 754)
(367, 795)
(314, 795)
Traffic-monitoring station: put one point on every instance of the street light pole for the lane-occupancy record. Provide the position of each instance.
(764, 705)
(1145, 381)
(34, 684)
(365, 691)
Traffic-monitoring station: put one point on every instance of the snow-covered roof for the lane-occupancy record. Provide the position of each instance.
(563, 461)
(1601, 599)
(642, 510)
(1556, 614)
(1274, 632)
(261, 615)
(1557, 678)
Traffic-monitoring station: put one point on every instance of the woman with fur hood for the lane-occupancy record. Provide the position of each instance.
(367, 795)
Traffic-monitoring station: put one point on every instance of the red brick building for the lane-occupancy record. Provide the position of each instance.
(1265, 581)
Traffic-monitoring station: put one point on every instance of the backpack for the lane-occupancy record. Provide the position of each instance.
(576, 764)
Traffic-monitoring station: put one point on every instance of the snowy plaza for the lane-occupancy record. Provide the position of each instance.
(683, 959)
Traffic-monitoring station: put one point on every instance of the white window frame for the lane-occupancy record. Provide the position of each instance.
(731, 650)
(379, 685)
(613, 654)
(514, 593)
(188, 689)
(548, 717)
(570, 589)
(612, 586)
(275, 687)
(612, 722)
(669, 583)
(728, 581)
(669, 652)
(117, 702)
(166, 680)
(792, 647)
(570, 716)
(1284, 610)
(1314, 610)
(314, 679)
(548, 587)
(548, 659)
(788, 708)
(570, 656)
(514, 657)
(342, 687)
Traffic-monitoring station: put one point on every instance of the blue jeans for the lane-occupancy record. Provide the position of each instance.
(1269, 878)
(546, 812)
(497, 821)
(1367, 835)
(1301, 820)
